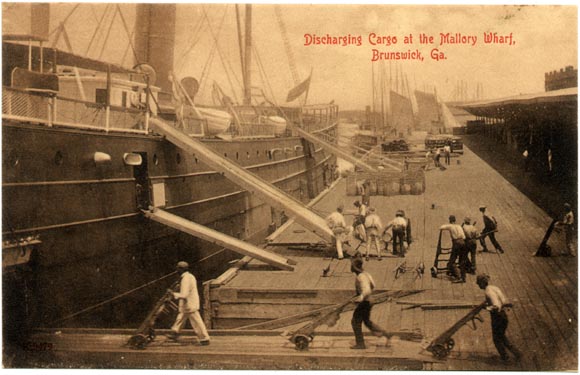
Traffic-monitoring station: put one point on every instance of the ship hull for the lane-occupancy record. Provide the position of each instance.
(94, 243)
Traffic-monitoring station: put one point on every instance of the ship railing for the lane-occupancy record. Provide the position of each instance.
(44, 108)
(257, 130)
(319, 117)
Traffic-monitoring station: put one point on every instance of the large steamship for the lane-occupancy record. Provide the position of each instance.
(78, 169)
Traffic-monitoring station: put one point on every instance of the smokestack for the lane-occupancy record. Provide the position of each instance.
(155, 39)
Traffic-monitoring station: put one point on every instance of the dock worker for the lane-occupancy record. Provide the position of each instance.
(490, 227)
(358, 223)
(437, 157)
(568, 223)
(366, 193)
(399, 225)
(188, 306)
(496, 305)
(458, 249)
(373, 227)
(470, 243)
(336, 223)
(447, 152)
(364, 285)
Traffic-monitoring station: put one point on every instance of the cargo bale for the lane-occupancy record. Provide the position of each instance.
(405, 189)
(417, 188)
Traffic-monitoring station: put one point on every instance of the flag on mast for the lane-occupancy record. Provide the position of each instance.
(299, 89)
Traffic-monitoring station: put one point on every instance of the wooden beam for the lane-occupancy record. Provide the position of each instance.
(218, 238)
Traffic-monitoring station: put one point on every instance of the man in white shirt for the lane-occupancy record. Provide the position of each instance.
(447, 151)
(458, 249)
(336, 223)
(496, 303)
(373, 226)
(364, 285)
(399, 225)
(359, 221)
(188, 306)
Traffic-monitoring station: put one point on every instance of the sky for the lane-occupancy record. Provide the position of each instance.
(545, 40)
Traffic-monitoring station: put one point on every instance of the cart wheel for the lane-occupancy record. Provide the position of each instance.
(440, 351)
(434, 272)
(138, 342)
(450, 344)
(301, 342)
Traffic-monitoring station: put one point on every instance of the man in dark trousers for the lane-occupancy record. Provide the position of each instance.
(470, 243)
(490, 227)
(458, 249)
(364, 285)
(496, 304)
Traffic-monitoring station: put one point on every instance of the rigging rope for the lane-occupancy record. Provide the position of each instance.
(97, 29)
(128, 34)
(108, 33)
(218, 49)
(90, 308)
(65, 19)
(191, 43)
(263, 74)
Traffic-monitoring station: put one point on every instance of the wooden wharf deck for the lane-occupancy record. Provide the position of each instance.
(543, 321)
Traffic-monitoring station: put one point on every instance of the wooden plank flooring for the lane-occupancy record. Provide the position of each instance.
(543, 322)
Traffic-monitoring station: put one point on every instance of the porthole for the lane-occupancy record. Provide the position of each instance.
(258, 153)
(237, 155)
(155, 159)
(196, 161)
(178, 158)
(248, 155)
(58, 158)
(225, 154)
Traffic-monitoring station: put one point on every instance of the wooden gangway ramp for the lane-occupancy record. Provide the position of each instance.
(248, 305)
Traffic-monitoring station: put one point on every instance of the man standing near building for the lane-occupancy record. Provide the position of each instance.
(490, 227)
(470, 243)
(373, 226)
(399, 225)
(496, 305)
(364, 285)
(458, 249)
(188, 306)
(336, 223)
(568, 224)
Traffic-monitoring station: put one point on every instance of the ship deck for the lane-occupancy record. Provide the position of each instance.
(543, 321)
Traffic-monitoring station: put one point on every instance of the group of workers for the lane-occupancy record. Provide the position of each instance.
(436, 154)
(464, 244)
(368, 228)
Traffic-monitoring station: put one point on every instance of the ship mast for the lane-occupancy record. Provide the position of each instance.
(248, 57)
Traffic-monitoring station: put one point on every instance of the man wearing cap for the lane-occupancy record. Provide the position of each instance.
(458, 249)
(336, 223)
(188, 306)
(373, 226)
(568, 224)
(470, 242)
(496, 305)
(490, 227)
(399, 225)
(364, 285)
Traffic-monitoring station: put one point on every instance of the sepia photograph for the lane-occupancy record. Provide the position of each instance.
(240, 186)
